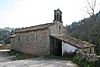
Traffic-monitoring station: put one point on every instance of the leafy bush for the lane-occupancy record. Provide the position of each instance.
(97, 63)
(82, 63)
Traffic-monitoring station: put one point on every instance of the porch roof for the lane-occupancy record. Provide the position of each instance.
(74, 41)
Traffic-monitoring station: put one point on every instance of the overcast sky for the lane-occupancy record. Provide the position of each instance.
(24, 13)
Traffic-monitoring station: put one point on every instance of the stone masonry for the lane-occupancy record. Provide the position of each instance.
(35, 39)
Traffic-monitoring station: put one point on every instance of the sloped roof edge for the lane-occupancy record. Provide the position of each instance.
(74, 41)
(34, 28)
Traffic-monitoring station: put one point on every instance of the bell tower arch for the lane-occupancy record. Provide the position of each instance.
(57, 15)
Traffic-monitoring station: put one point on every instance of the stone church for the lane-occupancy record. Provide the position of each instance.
(46, 39)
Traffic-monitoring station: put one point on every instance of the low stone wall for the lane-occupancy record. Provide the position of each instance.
(86, 56)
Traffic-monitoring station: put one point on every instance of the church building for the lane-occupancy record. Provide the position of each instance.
(46, 39)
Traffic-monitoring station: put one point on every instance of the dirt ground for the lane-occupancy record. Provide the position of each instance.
(5, 61)
(37, 63)
(4, 56)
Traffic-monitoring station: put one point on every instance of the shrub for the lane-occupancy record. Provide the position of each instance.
(82, 63)
(97, 63)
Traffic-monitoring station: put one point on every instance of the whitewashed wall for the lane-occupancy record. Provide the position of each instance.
(67, 48)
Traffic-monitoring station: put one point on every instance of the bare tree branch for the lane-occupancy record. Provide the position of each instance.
(91, 9)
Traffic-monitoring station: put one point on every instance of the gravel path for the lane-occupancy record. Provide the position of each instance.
(4, 56)
(5, 61)
(37, 63)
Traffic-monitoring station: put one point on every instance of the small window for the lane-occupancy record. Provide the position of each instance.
(18, 38)
(59, 27)
(26, 38)
(36, 37)
(90, 50)
(84, 51)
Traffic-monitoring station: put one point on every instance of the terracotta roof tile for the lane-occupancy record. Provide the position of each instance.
(74, 41)
(33, 28)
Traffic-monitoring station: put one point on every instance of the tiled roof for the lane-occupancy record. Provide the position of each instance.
(74, 41)
(33, 28)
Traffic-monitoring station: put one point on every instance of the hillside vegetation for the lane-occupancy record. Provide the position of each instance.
(87, 30)
(4, 35)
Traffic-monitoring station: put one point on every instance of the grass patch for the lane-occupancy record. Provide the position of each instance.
(19, 55)
(59, 57)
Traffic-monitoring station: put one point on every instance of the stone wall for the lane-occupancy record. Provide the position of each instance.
(68, 48)
(88, 50)
(13, 43)
(58, 29)
(35, 42)
(87, 56)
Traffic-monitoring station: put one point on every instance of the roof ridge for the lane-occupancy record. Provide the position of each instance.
(36, 27)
